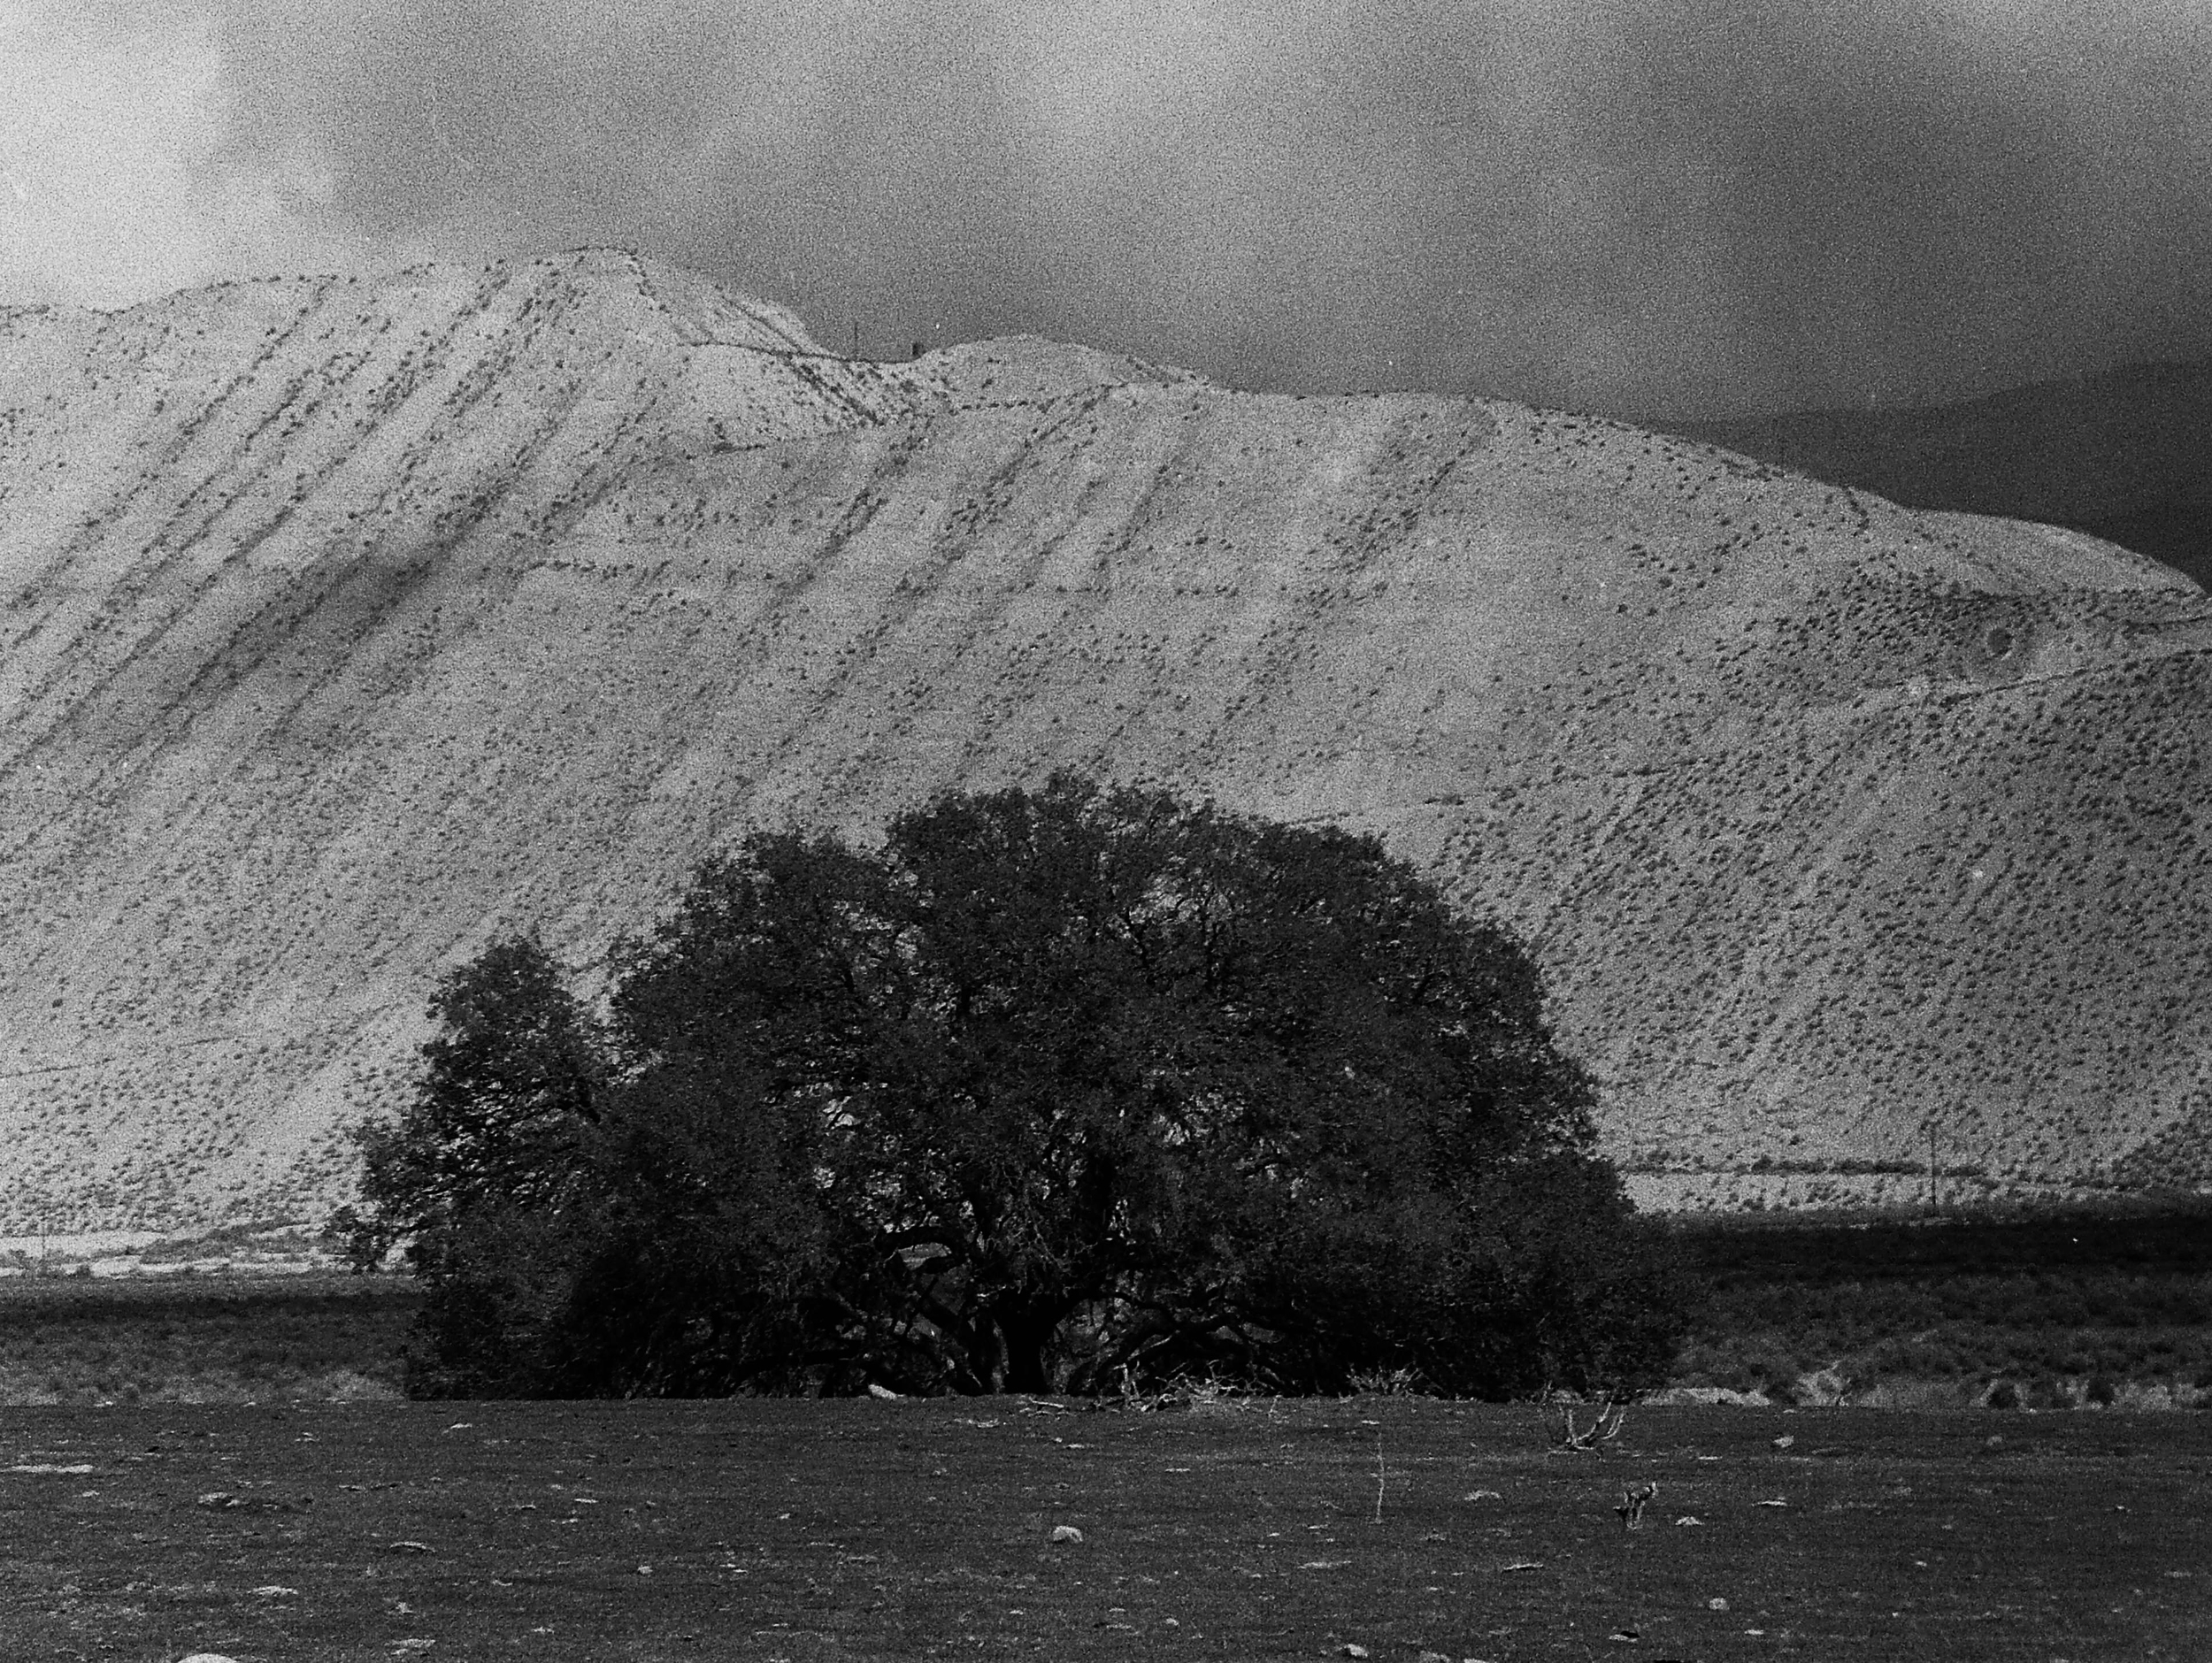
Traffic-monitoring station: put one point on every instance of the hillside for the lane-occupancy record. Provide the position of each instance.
(347, 624)
(2122, 455)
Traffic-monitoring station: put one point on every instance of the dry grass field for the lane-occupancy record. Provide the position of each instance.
(91, 1342)
(2047, 1308)
(823, 1531)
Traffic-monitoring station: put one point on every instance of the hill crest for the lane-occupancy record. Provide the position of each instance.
(2120, 456)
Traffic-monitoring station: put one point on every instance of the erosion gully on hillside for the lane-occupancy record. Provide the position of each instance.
(808, 1531)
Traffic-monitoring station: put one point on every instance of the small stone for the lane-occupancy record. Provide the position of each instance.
(1482, 1495)
(645, 1570)
(1433, 1657)
(276, 1590)
(1350, 1650)
(1784, 1441)
(1716, 1604)
(1066, 1533)
(411, 1547)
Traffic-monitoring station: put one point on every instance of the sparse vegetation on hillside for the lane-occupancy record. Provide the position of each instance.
(356, 625)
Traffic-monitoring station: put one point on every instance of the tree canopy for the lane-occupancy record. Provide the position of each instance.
(1057, 1090)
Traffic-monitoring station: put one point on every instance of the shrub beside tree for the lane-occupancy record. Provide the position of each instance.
(1067, 1089)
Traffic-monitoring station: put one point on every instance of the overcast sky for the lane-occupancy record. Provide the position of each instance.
(1678, 206)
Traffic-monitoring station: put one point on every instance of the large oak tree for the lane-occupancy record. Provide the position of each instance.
(1055, 1090)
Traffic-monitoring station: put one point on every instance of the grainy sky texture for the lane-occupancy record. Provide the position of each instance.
(1659, 206)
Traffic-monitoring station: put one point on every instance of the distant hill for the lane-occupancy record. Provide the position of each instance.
(346, 623)
(2125, 456)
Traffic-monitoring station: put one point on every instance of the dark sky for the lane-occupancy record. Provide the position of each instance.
(1654, 206)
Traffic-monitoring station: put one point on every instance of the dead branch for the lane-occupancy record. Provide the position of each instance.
(1634, 1499)
(1559, 1424)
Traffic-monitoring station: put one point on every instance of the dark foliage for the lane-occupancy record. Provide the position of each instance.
(509, 1088)
(1068, 1090)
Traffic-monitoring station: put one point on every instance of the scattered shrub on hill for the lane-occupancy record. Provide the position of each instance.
(1068, 1090)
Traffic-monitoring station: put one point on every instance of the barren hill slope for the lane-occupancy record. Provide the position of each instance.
(348, 624)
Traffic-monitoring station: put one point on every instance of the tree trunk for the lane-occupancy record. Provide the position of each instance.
(1027, 1340)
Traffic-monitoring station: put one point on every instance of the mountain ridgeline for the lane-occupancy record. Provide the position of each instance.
(350, 623)
(2122, 455)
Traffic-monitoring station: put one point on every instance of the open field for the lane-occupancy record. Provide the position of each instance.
(781, 1529)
